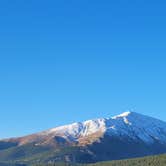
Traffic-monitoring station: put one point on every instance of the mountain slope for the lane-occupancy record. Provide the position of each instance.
(123, 136)
(159, 160)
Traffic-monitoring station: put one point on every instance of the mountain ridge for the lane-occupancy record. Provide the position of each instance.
(127, 135)
(126, 124)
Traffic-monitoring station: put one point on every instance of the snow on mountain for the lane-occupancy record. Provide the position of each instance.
(136, 126)
(80, 129)
(127, 124)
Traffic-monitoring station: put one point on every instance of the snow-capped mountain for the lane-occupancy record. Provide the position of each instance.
(128, 124)
(126, 135)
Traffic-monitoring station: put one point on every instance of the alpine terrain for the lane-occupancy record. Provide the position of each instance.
(127, 135)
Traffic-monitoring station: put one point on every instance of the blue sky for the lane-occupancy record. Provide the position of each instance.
(66, 61)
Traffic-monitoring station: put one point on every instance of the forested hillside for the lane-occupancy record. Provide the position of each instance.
(146, 161)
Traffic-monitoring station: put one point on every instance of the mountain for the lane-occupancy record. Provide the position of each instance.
(127, 135)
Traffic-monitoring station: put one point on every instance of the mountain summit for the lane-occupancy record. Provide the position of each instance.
(123, 136)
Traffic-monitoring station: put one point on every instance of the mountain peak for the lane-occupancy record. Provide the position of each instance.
(124, 114)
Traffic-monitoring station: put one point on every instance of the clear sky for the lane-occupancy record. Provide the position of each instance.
(71, 60)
